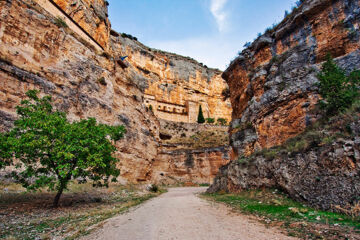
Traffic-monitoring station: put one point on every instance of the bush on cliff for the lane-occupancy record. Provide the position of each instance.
(210, 120)
(201, 118)
(338, 90)
(50, 151)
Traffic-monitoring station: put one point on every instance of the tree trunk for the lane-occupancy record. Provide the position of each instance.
(57, 197)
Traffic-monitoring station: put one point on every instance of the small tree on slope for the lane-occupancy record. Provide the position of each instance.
(201, 118)
(338, 90)
(50, 151)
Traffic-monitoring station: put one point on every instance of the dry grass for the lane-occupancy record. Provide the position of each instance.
(26, 215)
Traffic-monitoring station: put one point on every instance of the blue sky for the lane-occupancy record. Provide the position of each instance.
(210, 31)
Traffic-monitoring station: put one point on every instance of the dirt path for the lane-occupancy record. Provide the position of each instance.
(180, 214)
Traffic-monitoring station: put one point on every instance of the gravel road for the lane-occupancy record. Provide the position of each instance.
(180, 214)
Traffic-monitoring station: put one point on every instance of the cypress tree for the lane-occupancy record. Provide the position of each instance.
(201, 118)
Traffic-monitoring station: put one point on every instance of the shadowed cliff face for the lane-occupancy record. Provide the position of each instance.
(272, 83)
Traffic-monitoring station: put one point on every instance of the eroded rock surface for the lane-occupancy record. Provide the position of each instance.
(272, 82)
(36, 52)
(273, 93)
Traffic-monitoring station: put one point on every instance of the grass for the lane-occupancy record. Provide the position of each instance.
(274, 208)
(26, 215)
(60, 22)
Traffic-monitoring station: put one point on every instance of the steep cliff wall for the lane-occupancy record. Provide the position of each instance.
(273, 93)
(91, 15)
(272, 82)
(175, 83)
(36, 53)
(37, 50)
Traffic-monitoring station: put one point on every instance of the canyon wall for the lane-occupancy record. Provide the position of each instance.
(176, 85)
(36, 53)
(67, 61)
(273, 88)
(90, 15)
(273, 81)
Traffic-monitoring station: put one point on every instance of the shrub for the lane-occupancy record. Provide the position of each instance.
(60, 22)
(338, 90)
(222, 121)
(201, 118)
(225, 93)
(125, 35)
(151, 108)
(153, 188)
(51, 150)
(210, 120)
(102, 81)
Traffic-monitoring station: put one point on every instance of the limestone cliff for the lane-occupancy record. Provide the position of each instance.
(175, 85)
(91, 15)
(36, 53)
(273, 93)
(57, 47)
(272, 82)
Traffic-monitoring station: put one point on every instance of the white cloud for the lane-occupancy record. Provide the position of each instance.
(220, 15)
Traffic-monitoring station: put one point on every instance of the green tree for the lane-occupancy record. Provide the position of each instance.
(48, 151)
(338, 90)
(201, 118)
(222, 121)
(210, 120)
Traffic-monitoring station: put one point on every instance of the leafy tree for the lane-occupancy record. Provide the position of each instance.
(201, 118)
(48, 151)
(151, 108)
(222, 121)
(338, 90)
(210, 120)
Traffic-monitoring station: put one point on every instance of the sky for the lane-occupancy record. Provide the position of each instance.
(210, 31)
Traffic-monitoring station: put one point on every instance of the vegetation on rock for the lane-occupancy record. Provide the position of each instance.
(50, 151)
(338, 90)
(222, 121)
(210, 120)
(201, 118)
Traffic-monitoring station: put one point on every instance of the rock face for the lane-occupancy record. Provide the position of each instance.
(36, 53)
(190, 152)
(273, 92)
(175, 86)
(39, 51)
(272, 82)
(324, 177)
(91, 15)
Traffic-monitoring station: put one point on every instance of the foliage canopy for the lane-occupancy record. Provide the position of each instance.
(201, 118)
(48, 151)
(339, 91)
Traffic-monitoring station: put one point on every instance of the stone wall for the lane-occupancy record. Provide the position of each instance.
(273, 82)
